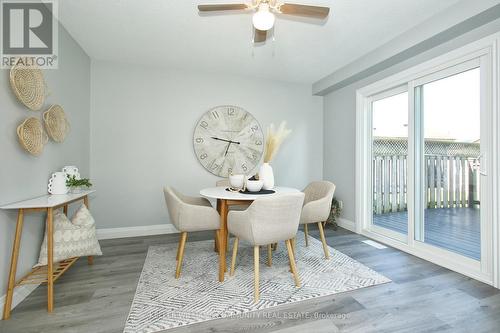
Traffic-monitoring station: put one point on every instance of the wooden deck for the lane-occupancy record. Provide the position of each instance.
(454, 229)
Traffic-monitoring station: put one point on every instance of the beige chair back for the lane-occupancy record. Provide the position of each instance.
(274, 219)
(222, 182)
(174, 205)
(319, 190)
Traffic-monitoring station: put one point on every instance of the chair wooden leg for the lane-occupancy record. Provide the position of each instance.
(292, 263)
(323, 240)
(275, 246)
(216, 241)
(306, 234)
(292, 242)
(178, 248)
(256, 273)
(235, 253)
(269, 255)
(182, 243)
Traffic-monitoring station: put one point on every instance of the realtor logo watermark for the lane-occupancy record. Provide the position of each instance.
(29, 33)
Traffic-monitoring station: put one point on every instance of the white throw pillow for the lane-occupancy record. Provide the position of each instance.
(72, 239)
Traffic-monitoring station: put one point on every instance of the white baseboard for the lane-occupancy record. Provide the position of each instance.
(347, 224)
(148, 230)
(20, 293)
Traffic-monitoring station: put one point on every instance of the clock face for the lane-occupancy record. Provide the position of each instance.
(228, 140)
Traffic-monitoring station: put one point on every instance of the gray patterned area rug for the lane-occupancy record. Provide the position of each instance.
(161, 302)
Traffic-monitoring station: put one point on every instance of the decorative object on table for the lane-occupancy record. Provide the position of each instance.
(237, 182)
(273, 142)
(77, 185)
(71, 170)
(228, 140)
(335, 212)
(32, 136)
(57, 183)
(246, 191)
(152, 311)
(56, 123)
(75, 238)
(254, 185)
(28, 85)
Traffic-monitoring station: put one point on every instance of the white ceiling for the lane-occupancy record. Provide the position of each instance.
(171, 33)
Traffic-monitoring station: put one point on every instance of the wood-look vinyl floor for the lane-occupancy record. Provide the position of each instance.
(423, 297)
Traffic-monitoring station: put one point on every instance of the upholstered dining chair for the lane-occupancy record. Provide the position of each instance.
(189, 214)
(317, 206)
(267, 221)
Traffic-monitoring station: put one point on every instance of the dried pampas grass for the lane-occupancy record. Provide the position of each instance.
(274, 140)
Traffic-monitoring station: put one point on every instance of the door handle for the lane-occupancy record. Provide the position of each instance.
(482, 161)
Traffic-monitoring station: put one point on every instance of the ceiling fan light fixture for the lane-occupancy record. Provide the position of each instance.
(263, 19)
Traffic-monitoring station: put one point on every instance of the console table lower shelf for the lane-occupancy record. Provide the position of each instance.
(52, 271)
(39, 275)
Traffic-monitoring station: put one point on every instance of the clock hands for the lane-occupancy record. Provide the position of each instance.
(227, 149)
(230, 141)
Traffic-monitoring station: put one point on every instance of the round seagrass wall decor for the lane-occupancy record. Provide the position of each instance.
(28, 85)
(56, 123)
(31, 136)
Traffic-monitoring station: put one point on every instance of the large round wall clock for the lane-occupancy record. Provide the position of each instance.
(228, 140)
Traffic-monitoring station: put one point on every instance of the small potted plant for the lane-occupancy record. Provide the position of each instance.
(335, 212)
(77, 185)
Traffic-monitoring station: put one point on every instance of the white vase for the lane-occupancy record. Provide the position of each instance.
(267, 176)
(57, 183)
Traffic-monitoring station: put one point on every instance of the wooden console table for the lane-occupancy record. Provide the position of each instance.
(45, 274)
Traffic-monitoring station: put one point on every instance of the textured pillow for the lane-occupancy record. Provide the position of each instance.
(72, 239)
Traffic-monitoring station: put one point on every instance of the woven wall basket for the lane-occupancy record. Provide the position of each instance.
(31, 136)
(56, 123)
(28, 85)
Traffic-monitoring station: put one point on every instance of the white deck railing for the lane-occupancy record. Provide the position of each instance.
(451, 181)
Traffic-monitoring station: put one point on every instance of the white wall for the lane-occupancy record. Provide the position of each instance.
(23, 176)
(340, 118)
(142, 125)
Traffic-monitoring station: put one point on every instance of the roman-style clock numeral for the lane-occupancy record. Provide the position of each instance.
(228, 140)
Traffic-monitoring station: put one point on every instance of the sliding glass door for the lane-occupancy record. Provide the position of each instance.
(449, 106)
(423, 172)
(389, 162)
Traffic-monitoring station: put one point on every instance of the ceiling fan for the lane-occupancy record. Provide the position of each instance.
(263, 13)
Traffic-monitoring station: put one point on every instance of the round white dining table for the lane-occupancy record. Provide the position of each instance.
(225, 199)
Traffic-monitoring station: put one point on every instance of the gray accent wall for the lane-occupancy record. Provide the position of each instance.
(340, 116)
(142, 126)
(23, 176)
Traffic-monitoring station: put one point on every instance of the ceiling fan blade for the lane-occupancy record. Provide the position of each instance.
(304, 10)
(221, 7)
(259, 36)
